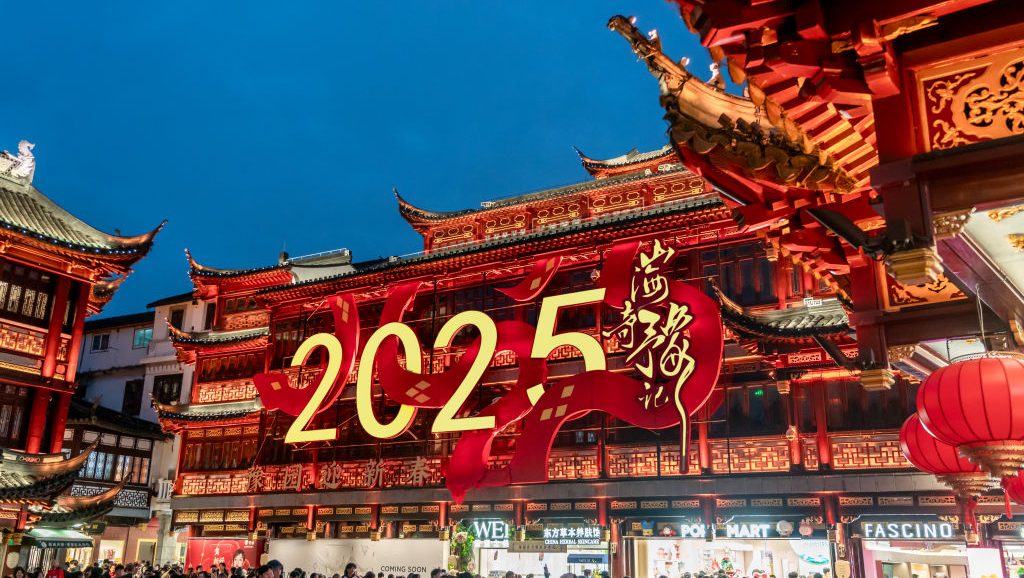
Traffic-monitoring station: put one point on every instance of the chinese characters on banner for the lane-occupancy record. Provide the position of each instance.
(670, 331)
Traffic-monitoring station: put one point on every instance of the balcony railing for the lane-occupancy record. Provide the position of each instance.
(752, 455)
(164, 490)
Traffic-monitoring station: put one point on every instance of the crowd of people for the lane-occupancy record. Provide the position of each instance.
(272, 569)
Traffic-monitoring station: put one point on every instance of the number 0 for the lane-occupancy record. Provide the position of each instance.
(364, 381)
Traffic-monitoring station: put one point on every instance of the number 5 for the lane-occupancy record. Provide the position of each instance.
(547, 341)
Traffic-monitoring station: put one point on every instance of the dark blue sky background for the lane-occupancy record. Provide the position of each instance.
(256, 126)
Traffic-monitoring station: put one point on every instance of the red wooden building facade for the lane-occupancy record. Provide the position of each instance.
(790, 434)
(56, 270)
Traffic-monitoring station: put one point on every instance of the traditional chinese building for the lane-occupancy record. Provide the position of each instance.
(56, 270)
(876, 145)
(784, 445)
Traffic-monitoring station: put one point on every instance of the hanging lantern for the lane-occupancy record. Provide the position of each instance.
(1014, 489)
(937, 457)
(970, 404)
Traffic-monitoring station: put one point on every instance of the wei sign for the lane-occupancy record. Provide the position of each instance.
(491, 530)
(907, 530)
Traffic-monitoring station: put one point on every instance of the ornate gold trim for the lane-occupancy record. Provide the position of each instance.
(900, 353)
(951, 224)
(1016, 241)
(998, 215)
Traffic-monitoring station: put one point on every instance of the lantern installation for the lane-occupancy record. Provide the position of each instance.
(937, 457)
(976, 405)
(934, 456)
(973, 406)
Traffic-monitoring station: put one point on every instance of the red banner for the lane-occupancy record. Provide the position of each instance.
(232, 552)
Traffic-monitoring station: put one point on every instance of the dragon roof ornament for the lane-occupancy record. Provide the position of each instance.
(20, 167)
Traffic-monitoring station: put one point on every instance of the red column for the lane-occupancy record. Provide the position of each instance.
(704, 446)
(37, 420)
(60, 301)
(867, 278)
(796, 454)
(60, 420)
(75, 349)
(824, 446)
(783, 279)
(617, 545)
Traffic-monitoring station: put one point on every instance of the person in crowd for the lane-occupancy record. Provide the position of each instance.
(55, 571)
(350, 570)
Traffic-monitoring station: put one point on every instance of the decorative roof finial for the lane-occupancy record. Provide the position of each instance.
(20, 167)
(716, 79)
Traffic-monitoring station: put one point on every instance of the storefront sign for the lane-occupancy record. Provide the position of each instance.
(492, 530)
(234, 553)
(535, 547)
(670, 332)
(738, 530)
(910, 530)
(587, 559)
(582, 535)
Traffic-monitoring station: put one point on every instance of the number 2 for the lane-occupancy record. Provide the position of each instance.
(298, 433)
(446, 420)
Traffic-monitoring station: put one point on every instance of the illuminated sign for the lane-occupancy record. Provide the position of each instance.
(907, 530)
(490, 530)
(669, 332)
(731, 531)
(582, 535)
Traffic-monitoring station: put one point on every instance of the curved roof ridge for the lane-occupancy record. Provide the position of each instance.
(415, 214)
(25, 209)
(632, 157)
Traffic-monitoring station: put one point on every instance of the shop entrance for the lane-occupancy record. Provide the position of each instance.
(737, 558)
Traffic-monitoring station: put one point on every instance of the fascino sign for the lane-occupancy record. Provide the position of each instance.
(669, 332)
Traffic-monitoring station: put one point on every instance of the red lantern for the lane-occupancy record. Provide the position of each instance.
(1014, 489)
(975, 405)
(937, 457)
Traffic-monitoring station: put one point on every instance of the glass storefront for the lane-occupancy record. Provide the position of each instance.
(1013, 558)
(548, 549)
(752, 547)
(912, 547)
(672, 557)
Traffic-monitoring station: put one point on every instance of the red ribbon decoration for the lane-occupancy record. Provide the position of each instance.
(529, 288)
(276, 391)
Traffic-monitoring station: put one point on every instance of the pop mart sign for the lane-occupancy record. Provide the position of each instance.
(669, 332)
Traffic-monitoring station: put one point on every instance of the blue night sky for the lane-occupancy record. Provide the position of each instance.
(256, 126)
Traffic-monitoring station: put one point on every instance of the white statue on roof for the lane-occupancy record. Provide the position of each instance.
(20, 167)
